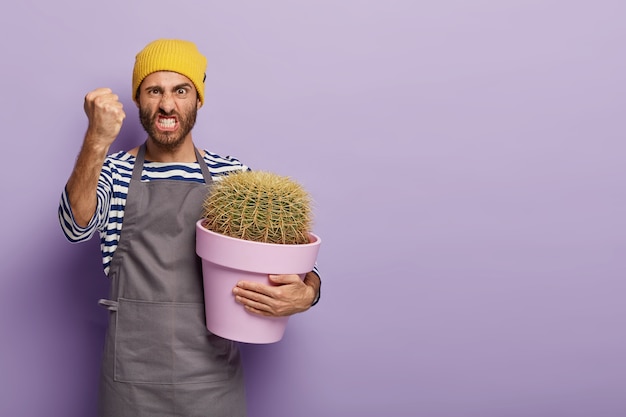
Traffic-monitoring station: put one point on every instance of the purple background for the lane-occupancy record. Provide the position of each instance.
(467, 163)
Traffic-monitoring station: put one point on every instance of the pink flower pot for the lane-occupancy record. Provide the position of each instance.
(226, 261)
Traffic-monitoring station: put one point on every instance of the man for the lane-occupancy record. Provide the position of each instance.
(159, 358)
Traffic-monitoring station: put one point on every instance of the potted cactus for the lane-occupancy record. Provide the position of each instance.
(254, 223)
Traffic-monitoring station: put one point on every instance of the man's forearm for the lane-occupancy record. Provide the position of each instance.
(83, 182)
(313, 280)
(105, 113)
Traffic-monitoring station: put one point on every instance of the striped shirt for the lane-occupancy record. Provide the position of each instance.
(113, 189)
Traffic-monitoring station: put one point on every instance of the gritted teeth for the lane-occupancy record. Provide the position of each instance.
(167, 122)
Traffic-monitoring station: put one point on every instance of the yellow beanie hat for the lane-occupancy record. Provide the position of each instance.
(174, 55)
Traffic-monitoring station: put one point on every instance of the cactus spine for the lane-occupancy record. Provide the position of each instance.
(259, 206)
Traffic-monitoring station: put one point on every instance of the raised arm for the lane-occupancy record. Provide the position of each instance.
(106, 115)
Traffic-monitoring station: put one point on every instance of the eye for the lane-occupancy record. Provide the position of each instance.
(154, 91)
(181, 91)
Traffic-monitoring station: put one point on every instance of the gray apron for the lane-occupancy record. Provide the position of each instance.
(159, 358)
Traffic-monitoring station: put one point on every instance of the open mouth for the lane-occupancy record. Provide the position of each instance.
(166, 123)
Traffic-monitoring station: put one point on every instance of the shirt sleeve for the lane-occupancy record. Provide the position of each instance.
(72, 231)
(316, 271)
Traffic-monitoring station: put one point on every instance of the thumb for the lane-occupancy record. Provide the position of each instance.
(284, 279)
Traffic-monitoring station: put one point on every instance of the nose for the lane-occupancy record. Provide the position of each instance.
(167, 103)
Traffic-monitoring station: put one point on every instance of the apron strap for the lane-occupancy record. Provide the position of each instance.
(138, 168)
(204, 168)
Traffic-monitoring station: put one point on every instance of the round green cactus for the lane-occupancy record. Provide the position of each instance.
(259, 206)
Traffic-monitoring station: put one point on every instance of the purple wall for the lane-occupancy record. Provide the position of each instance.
(467, 162)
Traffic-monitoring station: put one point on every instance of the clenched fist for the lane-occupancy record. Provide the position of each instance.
(105, 113)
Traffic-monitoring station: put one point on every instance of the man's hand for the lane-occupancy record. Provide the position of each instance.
(106, 115)
(288, 295)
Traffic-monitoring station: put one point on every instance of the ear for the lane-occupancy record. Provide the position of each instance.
(198, 104)
(136, 96)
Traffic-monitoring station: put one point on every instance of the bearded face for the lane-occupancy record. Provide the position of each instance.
(168, 104)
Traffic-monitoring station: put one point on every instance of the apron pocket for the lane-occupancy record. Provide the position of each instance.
(168, 343)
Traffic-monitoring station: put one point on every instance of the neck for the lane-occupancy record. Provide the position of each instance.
(185, 152)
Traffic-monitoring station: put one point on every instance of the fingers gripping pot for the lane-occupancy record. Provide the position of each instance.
(254, 223)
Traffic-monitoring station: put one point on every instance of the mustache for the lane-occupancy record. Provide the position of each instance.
(161, 112)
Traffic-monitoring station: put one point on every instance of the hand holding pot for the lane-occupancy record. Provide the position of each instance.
(289, 295)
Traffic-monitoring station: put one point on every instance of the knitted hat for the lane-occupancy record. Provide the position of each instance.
(174, 55)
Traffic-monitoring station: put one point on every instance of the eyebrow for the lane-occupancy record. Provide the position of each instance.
(176, 87)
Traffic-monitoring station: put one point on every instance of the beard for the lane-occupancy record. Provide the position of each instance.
(168, 140)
